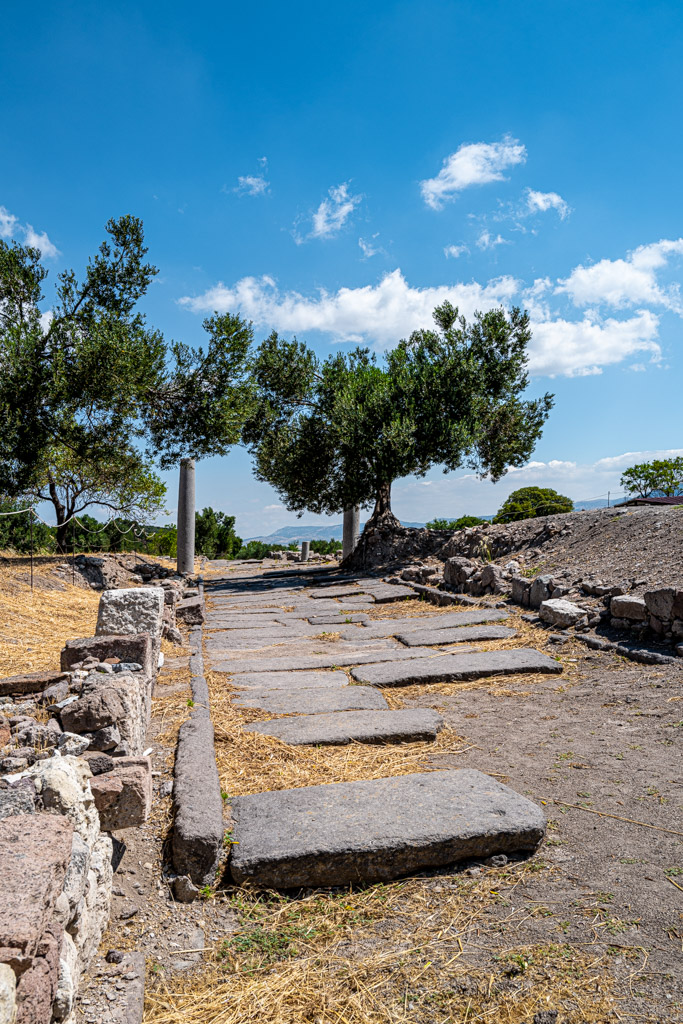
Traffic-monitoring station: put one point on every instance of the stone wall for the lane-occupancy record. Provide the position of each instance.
(72, 771)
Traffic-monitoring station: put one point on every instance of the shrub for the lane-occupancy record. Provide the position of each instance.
(531, 502)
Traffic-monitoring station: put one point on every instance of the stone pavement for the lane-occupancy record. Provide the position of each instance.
(283, 643)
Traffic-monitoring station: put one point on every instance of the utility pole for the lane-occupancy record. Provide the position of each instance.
(186, 520)
(351, 530)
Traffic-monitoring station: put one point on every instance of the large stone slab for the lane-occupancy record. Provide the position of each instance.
(387, 592)
(454, 635)
(295, 663)
(198, 827)
(132, 610)
(447, 620)
(410, 725)
(457, 667)
(30, 682)
(345, 590)
(125, 647)
(313, 701)
(288, 680)
(356, 832)
(215, 620)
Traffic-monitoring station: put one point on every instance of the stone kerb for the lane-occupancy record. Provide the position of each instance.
(198, 830)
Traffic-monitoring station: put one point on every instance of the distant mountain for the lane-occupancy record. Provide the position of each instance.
(295, 534)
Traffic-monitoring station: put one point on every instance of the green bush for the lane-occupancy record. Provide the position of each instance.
(531, 502)
(661, 476)
(454, 524)
(326, 547)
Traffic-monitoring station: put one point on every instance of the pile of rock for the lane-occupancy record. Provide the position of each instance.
(659, 611)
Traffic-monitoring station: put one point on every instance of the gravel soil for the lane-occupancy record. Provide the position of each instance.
(606, 737)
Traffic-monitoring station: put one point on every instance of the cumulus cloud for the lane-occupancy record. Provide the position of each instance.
(10, 227)
(626, 282)
(541, 202)
(8, 223)
(39, 240)
(581, 348)
(334, 211)
(473, 163)
(383, 313)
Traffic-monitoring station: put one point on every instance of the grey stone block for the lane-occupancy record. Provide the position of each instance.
(409, 725)
(132, 610)
(137, 648)
(376, 830)
(198, 826)
(309, 661)
(434, 637)
(632, 608)
(338, 619)
(457, 667)
(289, 680)
(313, 701)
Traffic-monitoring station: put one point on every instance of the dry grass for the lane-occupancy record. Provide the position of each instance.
(251, 763)
(408, 952)
(36, 625)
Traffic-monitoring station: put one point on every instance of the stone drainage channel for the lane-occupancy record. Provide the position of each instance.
(263, 633)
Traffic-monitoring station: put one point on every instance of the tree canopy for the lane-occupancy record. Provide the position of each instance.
(89, 376)
(336, 433)
(661, 476)
(530, 502)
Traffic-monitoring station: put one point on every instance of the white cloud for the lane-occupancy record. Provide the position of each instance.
(474, 163)
(540, 202)
(488, 241)
(626, 282)
(8, 223)
(452, 252)
(39, 240)
(382, 313)
(252, 185)
(581, 348)
(10, 227)
(334, 211)
(368, 248)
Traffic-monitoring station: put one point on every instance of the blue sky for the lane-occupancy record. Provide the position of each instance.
(332, 171)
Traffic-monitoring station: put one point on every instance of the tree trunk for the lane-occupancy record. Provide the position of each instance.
(62, 536)
(382, 514)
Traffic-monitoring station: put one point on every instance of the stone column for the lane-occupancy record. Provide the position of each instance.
(186, 523)
(305, 549)
(351, 530)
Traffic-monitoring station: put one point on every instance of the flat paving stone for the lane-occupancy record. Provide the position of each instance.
(338, 619)
(408, 624)
(314, 701)
(287, 662)
(454, 635)
(222, 621)
(375, 830)
(388, 592)
(288, 680)
(409, 725)
(345, 590)
(457, 667)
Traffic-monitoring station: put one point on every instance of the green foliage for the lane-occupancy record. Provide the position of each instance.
(530, 502)
(163, 541)
(215, 534)
(15, 530)
(454, 524)
(326, 547)
(94, 379)
(333, 434)
(257, 549)
(124, 483)
(661, 476)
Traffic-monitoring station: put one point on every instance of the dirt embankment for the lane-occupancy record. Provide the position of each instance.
(639, 546)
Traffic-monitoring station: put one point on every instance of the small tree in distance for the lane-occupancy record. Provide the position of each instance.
(454, 524)
(661, 476)
(531, 502)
